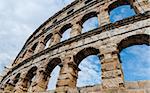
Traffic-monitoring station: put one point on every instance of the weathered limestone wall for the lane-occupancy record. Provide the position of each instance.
(75, 18)
(67, 51)
(31, 70)
(130, 87)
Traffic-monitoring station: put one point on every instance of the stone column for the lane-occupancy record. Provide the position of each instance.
(112, 75)
(41, 81)
(103, 15)
(28, 54)
(56, 38)
(41, 45)
(76, 30)
(68, 76)
(141, 6)
(21, 84)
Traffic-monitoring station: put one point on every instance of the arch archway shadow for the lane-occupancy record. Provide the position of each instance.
(135, 57)
(88, 62)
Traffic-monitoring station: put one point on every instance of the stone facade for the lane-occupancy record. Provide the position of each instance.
(36, 61)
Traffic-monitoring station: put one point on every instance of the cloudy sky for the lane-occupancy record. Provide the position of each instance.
(20, 18)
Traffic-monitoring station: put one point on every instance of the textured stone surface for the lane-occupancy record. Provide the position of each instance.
(35, 63)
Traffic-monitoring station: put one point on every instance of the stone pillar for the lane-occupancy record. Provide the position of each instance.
(141, 6)
(41, 45)
(41, 81)
(21, 84)
(112, 75)
(103, 15)
(76, 30)
(68, 76)
(56, 38)
(28, 54)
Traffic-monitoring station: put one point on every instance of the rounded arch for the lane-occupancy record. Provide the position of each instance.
(34, 47)
(31, 72)
(84, 53)
(29, 76)
(88, 16)
(130, 50)
(16, 78)
(65, 27)
(117, 4)
(52, 64)
(65, 32)
(121, 9)
(138, 39)
(49, 69)
(47, 38)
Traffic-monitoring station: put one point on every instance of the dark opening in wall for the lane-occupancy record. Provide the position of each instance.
(34, 46)
(88, 1)
(30, 76)
(55, 21)
(16, 79)
(70, 11)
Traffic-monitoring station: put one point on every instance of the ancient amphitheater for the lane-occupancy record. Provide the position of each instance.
(106, 41)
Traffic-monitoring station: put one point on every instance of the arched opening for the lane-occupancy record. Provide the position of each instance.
(32, 50)
(120, 9)
(16, 79)
(89, 63)
(29, 78)
(65, 32)
(135, 57)
(89, 22)
(53, 80)
(52, 73)
(47, 40)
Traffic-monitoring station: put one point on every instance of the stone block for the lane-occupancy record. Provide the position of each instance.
(144, 84)
(111, 74)
(112, 83)
(132, 85)
(108, 66)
